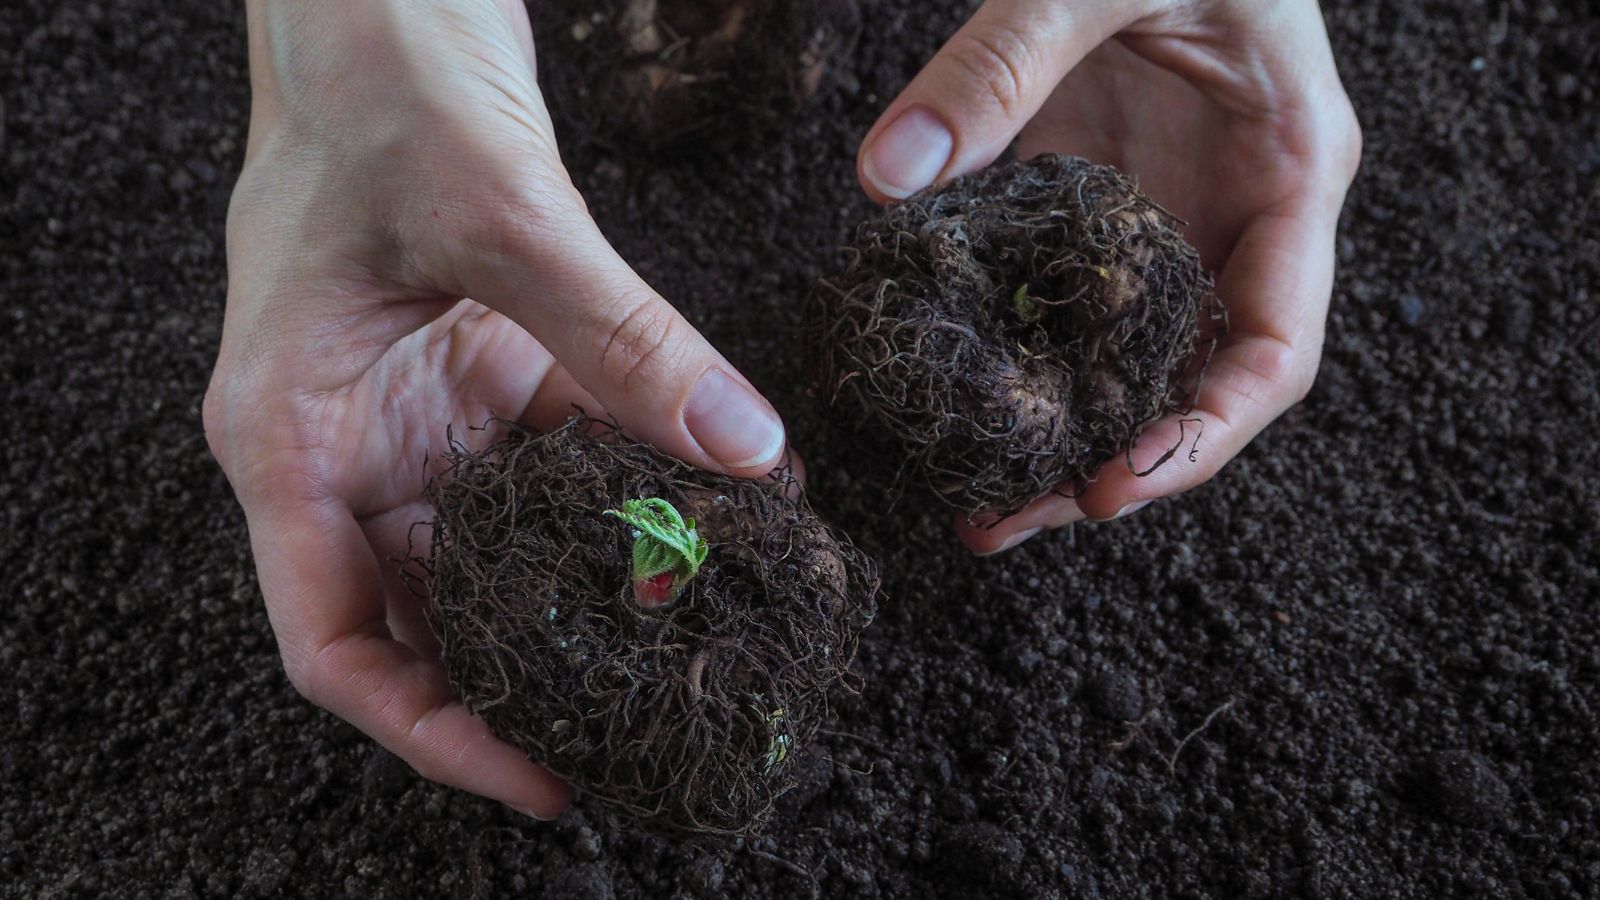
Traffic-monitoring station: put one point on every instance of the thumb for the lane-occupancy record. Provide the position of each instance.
(545, 265)
(984, 85)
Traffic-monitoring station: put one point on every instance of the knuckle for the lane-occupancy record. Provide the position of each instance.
(324, 675)
(1282, 370)
(307, 678)
(998, 62)
(639, 344)
(516, 224)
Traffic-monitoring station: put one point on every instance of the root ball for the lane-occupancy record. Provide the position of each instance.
(1010, 332)
(683, 718)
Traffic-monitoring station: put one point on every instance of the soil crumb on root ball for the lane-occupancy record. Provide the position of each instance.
(680, 717)
(1012, 331)
(663, 72)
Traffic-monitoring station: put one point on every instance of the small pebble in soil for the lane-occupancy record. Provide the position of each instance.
(1459, 786)
(1115, 694)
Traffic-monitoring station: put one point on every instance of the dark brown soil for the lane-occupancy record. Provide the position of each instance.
(1002, 336)
(683, 75)
(1388, 609)
(690, 717)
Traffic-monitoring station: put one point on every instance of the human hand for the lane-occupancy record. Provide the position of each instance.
(1229, 113)
(401, 159)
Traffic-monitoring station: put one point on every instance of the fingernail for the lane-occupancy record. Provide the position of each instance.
(732, 423)
(532, 815)
(1131, 508)
(908, 155)
(1012, 541)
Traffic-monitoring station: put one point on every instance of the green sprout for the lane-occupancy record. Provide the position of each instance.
(667, 551)
(779, 743)
(1026, 308)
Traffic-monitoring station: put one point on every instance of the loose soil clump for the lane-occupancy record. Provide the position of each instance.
(676, 73)
(683, 716)
(1012, 331)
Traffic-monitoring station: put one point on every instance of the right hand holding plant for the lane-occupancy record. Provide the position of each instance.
(1229, 113)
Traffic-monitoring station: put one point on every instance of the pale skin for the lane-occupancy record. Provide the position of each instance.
(401, 160)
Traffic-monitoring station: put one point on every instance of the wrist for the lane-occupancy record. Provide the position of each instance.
(306, 57)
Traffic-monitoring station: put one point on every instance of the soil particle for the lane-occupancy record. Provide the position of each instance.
(981, 852)
(1458, 785)
(1515, 322)
(1115, 694)
(1025, 661)
(385, 775)
(958, 806)
(1412, 309)
(813, 777)
(581, 882)
(704, 875)
(586, 844)
(266, 872)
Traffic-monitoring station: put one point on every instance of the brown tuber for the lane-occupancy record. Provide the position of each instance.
(679, 714)
(1004, 335)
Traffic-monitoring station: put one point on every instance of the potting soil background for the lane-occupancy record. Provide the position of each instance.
(1363, 661)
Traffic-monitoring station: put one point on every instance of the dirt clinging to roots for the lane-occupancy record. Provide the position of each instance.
(682, 719)
(1008, 333)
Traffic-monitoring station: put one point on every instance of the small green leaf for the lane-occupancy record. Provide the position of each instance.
(1026, 308)
(663, 540)
(778, 740)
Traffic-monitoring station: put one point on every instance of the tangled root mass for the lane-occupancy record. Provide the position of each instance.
(1012, 331)
(680, 719)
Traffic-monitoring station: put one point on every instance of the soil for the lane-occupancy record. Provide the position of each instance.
(678, 76)
(685, 717)
(1006, 334)
(1363, 661)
